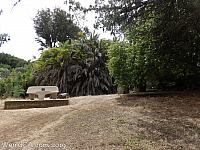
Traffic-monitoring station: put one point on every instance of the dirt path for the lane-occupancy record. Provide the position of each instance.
(105, 122)
(37, 126)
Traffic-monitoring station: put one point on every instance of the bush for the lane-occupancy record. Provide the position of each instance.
(18, 91)
(17, 82)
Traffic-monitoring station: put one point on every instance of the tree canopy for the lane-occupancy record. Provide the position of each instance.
(115, 15)
(162, 40)
(54, 26)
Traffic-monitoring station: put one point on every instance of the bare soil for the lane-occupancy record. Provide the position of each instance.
(107, 122)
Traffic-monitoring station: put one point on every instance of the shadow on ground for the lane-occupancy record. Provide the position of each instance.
(168, 122)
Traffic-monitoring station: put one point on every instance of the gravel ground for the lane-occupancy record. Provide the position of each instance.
(107, 122)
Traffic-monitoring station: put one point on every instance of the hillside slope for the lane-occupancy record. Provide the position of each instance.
(12, 61)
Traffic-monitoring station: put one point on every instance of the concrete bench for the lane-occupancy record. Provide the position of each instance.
(41, 91)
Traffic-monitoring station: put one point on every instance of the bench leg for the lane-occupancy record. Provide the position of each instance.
(31, 96)
(41, 96)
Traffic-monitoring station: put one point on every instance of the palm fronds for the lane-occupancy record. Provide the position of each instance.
(78, 68)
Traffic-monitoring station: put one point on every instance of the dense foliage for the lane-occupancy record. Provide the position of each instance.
(15, 76)
(16, 84)
(77, 67)
(161, 42)
(177, 39)
(132, 62)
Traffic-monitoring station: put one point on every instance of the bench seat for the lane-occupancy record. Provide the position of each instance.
(41, 91)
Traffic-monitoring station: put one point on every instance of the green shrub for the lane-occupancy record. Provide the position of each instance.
(17, 82)
(18, 91)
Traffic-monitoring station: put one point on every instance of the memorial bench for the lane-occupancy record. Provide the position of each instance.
(41, 91)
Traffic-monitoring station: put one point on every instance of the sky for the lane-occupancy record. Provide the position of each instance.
(18, 23)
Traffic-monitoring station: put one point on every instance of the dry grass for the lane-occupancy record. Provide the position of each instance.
(167, 122)
(108, 122)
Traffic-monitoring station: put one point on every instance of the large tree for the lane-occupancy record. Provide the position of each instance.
(116, 15)
(177, 39)
(53, 27)
(77, 67)
(170, 47)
